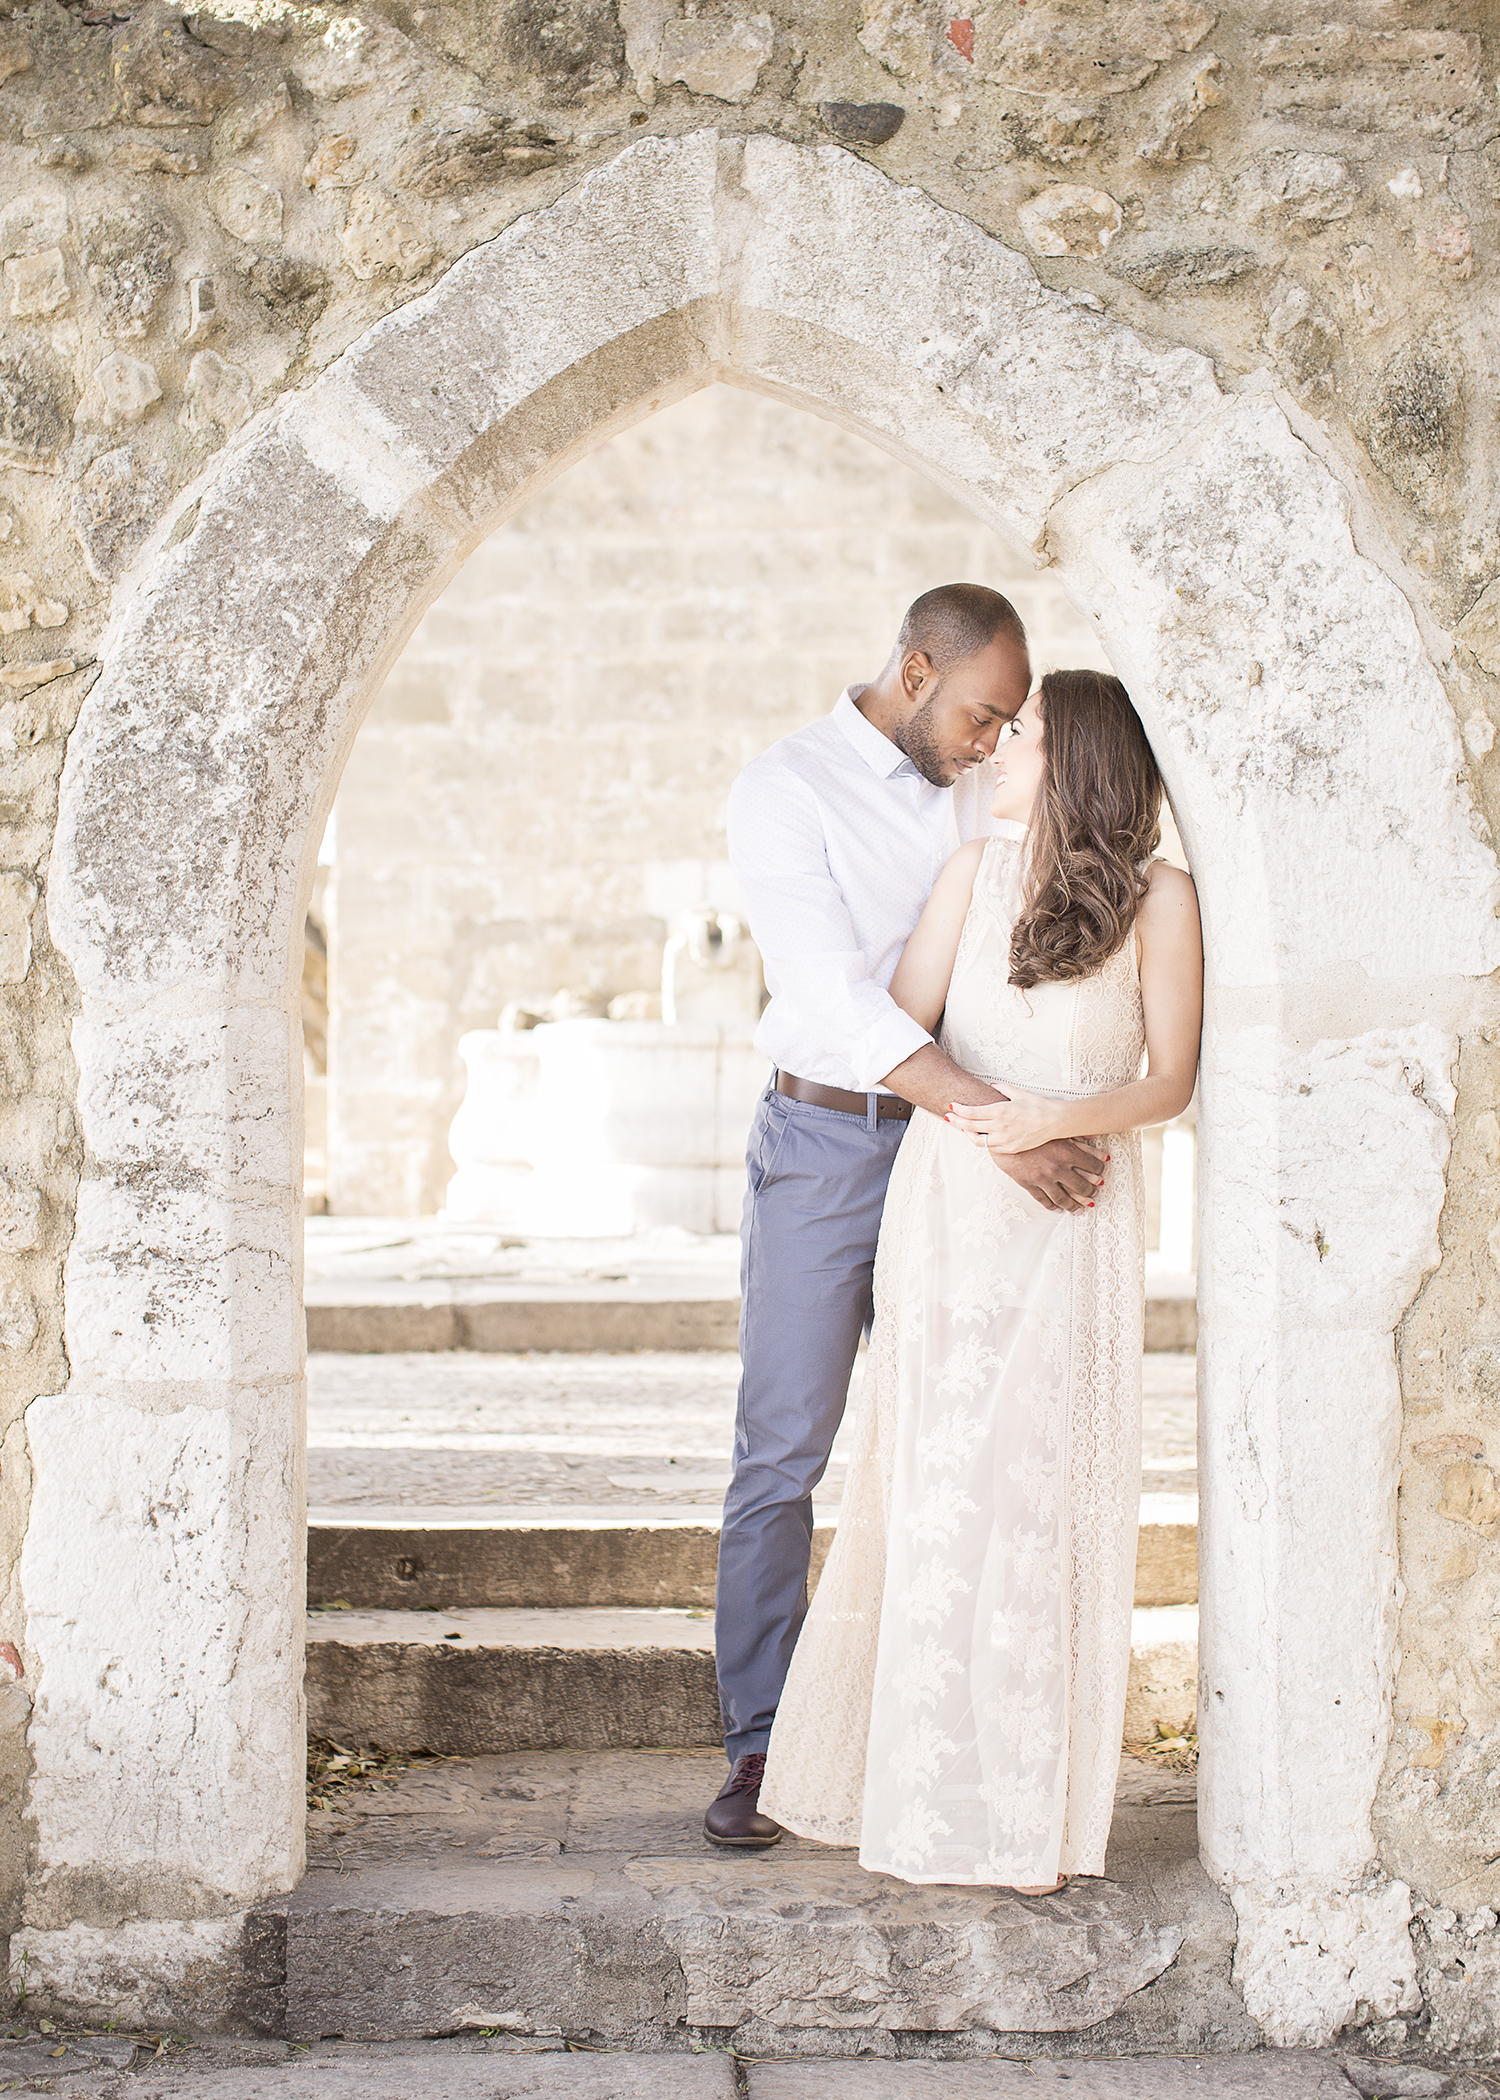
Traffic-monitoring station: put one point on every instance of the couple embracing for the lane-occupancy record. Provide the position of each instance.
(982, 986)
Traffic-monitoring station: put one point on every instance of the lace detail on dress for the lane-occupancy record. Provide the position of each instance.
(955, 1702)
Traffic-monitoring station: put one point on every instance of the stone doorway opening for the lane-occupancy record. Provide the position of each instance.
(1207, 536)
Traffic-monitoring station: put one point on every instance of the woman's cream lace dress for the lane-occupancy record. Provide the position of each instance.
(956, 1699)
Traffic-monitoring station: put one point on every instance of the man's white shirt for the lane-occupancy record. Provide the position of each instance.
(836, 841)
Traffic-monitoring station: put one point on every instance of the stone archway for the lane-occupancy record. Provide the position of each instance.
(1312, 759)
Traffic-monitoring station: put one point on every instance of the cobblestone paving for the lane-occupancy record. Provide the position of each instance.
(608, 1431)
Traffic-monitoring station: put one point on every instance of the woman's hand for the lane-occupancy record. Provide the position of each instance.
(1017, 1125)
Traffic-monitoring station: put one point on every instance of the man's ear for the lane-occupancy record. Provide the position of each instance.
(916, 671)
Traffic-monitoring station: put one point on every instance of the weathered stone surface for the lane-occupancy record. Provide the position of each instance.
(468, 148)
(158, 1513)
(18, 895)
(21, 1215)
(290, 285)
(243, 131)
(1479, 629)
(1060, 51)
(1415, 421)
(33, 222)
(862, 123)
(247, 208)
(353, 56)
(1373, 79)
(38, 284)
(1265, 2075)
(15, 50)
(36, 402)
(1314, 189)
(910, 38)
(1178, 115)
(330, 164)
(710, 56)
(163, 155)
(1067, 220)
(1186, 269)
(23, 605)
(573, 49)
(1302, 338)
(382, 237)
(122, 390)
(218, 394)
(114, 506)
(128, 255)
(165, 77)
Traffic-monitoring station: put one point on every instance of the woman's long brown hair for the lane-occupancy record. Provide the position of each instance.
(1096, 822)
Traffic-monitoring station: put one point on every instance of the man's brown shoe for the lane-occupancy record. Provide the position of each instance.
(734, 1816)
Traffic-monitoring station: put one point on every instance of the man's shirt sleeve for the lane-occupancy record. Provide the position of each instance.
(801, 925)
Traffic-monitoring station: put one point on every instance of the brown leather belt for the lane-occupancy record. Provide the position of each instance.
(888, 1108)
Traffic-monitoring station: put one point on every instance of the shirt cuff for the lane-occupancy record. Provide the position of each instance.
(893, 1039)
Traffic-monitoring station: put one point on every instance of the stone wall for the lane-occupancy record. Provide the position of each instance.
(1271, 236)
(540, 784)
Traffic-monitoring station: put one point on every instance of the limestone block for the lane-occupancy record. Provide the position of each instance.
(25, 678)
(38, 284)
(36, 401)
(1054, 50)
(978, 1958)
(1479, 629)
(33, 222)
(1470, 1496)
(715, 56)
(330, 163)
(171, 1646)
(20, 1318)
(910, 38)
(166, 77)
(1068, 220)
(128, 255)
(247, 208)
(1327, 1212)
(250, 124)
(141, 1974)
(203, 316)
(353, 55)
(22, 605)
(1314, 188)
(1314, 1961)
(161, 156)
(123, 390)
(15, 50)
(1176, 117)
(1237, 678)
(469, 146)
(218, 394)
(114, 506)
(21, 1215)
(1365, 79)
(382, 237)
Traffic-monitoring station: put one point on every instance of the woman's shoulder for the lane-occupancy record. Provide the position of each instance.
(1170, 883)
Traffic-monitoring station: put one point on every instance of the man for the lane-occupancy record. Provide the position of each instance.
(837, 834)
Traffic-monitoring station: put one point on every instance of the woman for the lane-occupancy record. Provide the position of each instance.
(957, 1696)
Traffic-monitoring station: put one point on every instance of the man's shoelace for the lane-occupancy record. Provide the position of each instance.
(747, 1774)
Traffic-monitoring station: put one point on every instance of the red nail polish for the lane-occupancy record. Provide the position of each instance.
(1091, 1206)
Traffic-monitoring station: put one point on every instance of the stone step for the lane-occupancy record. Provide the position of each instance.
(475, 1683)
(395, 1319)
(447, 1559)
(572, 1898)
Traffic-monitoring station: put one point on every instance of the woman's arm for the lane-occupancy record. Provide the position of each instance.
(920, 985)
(1171, 938)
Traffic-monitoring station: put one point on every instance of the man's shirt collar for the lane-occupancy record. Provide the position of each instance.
(877, 751)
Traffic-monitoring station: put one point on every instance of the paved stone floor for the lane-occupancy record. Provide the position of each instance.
(497, 2070)
(641, 1430)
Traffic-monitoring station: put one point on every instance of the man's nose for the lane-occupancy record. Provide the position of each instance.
(987, 739)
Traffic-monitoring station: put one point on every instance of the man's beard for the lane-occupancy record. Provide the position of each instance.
(919, 741)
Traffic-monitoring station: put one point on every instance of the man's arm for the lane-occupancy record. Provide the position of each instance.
(1062, 1175)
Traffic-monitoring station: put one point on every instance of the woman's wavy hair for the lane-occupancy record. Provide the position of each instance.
(1096, 822)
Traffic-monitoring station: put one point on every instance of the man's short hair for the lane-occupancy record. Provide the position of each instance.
(957, 620)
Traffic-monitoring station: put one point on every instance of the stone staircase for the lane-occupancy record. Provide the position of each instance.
(511, 1565)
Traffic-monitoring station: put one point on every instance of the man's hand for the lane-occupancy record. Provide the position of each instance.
(1065, 1174)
